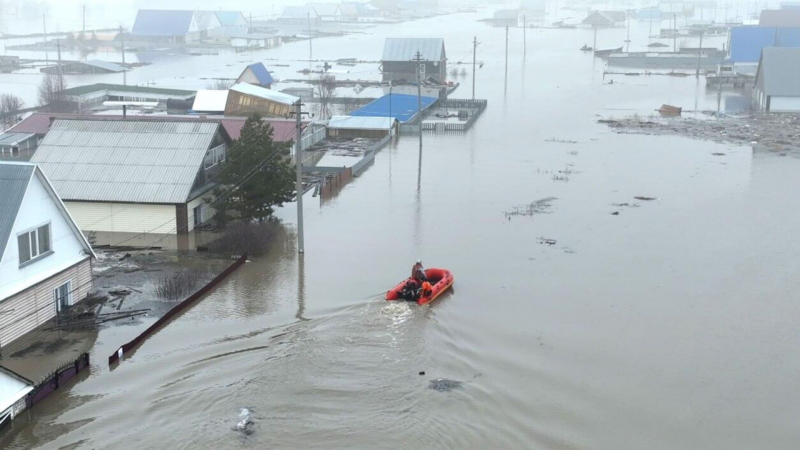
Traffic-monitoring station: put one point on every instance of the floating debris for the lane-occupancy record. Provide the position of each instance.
(561, 141)
(541, 206)
(547, 241)
(646, 199)
(245, 424)
(445, 385)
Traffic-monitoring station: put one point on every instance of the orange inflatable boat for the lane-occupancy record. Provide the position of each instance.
(440, 279)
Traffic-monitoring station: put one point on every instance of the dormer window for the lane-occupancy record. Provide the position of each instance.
(34, 244)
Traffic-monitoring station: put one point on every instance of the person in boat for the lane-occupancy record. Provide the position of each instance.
(418, 272)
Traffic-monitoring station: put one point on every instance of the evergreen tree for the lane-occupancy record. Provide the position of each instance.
(270, 185)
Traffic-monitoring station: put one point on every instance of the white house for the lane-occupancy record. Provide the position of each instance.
(777, 85)
(45, 261)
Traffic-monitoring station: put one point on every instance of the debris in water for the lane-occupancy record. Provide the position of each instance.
(646, 199)
(547, 241)
(444, 385)
(422, 372)
(615, 213)
(538, 207)
(718, 154)
(561, 141)
(244, 425)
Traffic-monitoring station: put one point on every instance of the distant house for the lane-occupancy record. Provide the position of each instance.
(17, 145)
(299, 14)
(399, 54)
(83, 68)
(85, 97)
(135, 176)
(245, 99)
(14, 390)
(45, 261)
(326, 12)
(777, 86)
(604, 19)
(256, 74)
(780, 18)
(745, 44)
(360, 126)
(161, 25)
(8, 63)
(206, 21)
(232, 19)
(255, 40)
(532, 5)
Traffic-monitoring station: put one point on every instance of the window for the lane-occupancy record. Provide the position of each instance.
(63, 296)
(34, 244)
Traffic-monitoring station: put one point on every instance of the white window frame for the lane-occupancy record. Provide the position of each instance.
(33, 244)
(68, 284)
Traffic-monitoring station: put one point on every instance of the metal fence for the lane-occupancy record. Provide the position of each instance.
(56, 379)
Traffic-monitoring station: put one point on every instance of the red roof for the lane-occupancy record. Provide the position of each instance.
(39, 123)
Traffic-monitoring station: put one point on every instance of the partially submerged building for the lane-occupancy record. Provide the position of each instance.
(8, 63)
(135, 176)
(399, 54)
(17, 145)
(85, 97)
(83, 68)
(256, 74)
(45, 261)
(604, 19)
(360, 127)
(167, 26)
(326, 12)
(777, 85)
(245, 99)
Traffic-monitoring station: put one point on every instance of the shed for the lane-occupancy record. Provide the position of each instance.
(360, 126)
(14, 389)
(780, 18)
(245, 99)
(17, 145)
(777, 85)
(134, 176)
(256, 74)
(210, 101)
(399, 54)
(401, 107)
(166, 25)
(603, 19)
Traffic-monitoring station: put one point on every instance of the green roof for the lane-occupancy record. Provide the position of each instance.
(88, 89)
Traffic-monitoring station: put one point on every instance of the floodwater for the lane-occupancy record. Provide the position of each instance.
(670, 325)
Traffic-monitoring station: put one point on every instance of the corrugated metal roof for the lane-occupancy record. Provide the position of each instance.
(745, 43)
(779, 18)
(267, 94)
(231, 18)
(9, 139)
(105, 65)
(14, 179)
(97, 87)
(124, 161)
(402, 107)
(405, 49)
(261, 72)
(779, 68)
(360, 123)
(208, 100)
(161, 22)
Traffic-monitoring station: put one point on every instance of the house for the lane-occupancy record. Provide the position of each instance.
(81, 98)
(171, 26)
(14, 389)
(360, 126)
(135, 176)
(232, 19)
(17, 145)
(299, 15)
(401, 107)
(255, 40)
(8, 63)
(210, 101)
(326, 12)
(777, 86)
(206, 21)
(245, 99)
(745, 44)
(399, 54)
(604, 19)
(83, 67)
(257, 75)
(45, 261)
(780, 18)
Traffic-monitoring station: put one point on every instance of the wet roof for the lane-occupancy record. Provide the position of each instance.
(14, 179)
(231, 18)
(105, 65)
(360, 123)
(261, 73)
(208, 100)
(125, 160)
(780, 18)
(90, 88)
(266, 94)
(402, 107)
(746, 42)
(405, 49)
(9, 139)
(778, 68)
(162, 22)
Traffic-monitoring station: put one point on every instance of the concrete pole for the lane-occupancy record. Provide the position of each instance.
(675, 33)
(594, 44)
(474, 51)
(298, 162)
(699, 54)
(60, 74)
(419, 98)
(506, 76)
(524, 37)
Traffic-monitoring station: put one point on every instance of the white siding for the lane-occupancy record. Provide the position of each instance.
(784, 104)
(208, 212)
(37, 209)
(248, 77)
(124, 217)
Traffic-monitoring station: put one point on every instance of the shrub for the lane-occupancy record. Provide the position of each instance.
(240, 238)
(178, 285)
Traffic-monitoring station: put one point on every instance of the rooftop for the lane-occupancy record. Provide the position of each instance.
(780, 18)
(11, 138)
(267, 94)
(746, 42)
(360, 123)
(14, 179)
(90, 88)
(261, 73)
(125, 161)
(778, 67)
(208, 100)
(162, 22)
(405, 49)
(402, 107)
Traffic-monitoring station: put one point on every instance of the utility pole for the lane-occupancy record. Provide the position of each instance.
(594, 44)
(46, 54)
(251, 22)
(699, 54)
(524, 37)
(674, 33)
(122, 43)
(298, 162)
(310, 51)
(474, 52)
(506, 76)
(84, 18)
(628, 36)
(60, 75)
(418, 59)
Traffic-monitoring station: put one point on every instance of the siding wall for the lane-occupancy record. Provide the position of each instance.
(123, 217)
(208, 212)
(36, 305)
(784, 104)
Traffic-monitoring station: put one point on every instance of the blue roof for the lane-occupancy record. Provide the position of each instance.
(745, 43)
(162, 22)
(403, 107)
(261, 73)
(229, 18)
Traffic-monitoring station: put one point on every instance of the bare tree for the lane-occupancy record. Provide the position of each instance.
(10, 105)
(49, 88)
(219, 84)
(325, 90)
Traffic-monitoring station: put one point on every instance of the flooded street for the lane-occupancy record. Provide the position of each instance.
(672, 324)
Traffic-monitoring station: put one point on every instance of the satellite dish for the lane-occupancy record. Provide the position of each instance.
(436, 64)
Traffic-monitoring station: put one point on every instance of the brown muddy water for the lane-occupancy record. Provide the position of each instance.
(672, 324)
